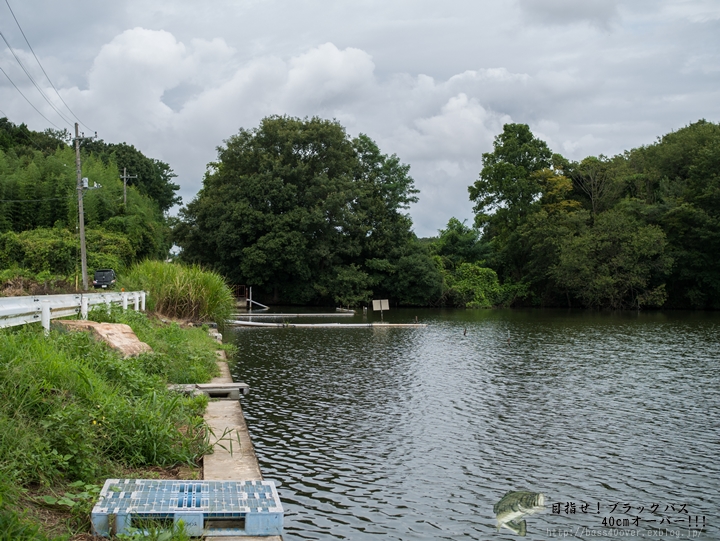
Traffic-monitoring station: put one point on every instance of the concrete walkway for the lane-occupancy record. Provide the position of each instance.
(234, 456)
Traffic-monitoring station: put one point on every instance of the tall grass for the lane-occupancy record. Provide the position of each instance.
(182, 291)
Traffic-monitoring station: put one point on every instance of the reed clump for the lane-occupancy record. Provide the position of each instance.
(182, 291)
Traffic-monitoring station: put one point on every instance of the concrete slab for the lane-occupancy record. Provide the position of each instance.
(234, 455)
(117, 335)
(224, 376)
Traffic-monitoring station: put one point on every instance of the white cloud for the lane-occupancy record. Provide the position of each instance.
(432, 82)
(326, 75)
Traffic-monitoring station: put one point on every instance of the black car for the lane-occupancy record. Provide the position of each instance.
(104, 278)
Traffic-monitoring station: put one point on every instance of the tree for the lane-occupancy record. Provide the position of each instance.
(475, 286)
(593, 177)
(458, 243)
(304, 212)
(153, 177)
(507, 192)
(618, 262)
(506, 188)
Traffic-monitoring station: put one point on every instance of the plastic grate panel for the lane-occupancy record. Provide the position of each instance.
(255, 502)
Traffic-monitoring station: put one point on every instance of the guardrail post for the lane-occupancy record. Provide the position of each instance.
(142, 301)
(137, 301)
(84, 307)
(124, 300)
(108, 303)
(45, 317)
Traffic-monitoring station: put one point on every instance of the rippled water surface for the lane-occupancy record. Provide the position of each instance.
(414, 433)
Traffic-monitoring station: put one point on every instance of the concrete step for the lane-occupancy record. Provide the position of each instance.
(223, 391)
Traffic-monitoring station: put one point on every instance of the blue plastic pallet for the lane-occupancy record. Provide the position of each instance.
(217, 508)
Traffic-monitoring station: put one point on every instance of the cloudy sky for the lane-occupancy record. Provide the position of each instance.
(432, 82)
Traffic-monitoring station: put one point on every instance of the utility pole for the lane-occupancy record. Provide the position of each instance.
(81, 213)
(125, 178)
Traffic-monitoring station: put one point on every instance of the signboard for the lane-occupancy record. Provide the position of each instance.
(383, 304)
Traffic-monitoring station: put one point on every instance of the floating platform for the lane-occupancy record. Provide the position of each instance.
(282, 316)
(324, 325)
(207, 508)
(226, 391)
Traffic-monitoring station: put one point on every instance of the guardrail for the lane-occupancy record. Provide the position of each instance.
(16, 311)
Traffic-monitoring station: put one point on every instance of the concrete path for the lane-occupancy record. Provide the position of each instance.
(234, 456)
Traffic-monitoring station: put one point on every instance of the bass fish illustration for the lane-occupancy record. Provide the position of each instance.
(515, 505)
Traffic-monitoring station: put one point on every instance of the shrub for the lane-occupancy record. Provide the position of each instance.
(475, 286)
(182, 291)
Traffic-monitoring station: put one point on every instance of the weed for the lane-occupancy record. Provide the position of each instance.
(77, 504)
(150, 530)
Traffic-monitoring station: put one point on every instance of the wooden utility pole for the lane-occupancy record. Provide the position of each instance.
(125, 178)
(81, 213)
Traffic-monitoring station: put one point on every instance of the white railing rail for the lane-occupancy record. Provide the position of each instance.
(22, 310)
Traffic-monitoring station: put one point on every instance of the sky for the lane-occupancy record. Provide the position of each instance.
(432, 82)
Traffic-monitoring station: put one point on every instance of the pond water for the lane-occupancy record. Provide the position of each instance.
(416, 433)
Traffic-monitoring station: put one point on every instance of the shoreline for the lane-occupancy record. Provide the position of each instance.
(225, 419)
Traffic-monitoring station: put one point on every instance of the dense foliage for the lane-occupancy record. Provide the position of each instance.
(306, 214)
(639, 229)
(151, 177)
(38, 204)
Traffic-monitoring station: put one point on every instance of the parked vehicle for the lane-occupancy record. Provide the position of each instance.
(104, 278)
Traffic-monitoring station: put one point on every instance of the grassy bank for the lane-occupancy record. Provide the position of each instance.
(73, 413)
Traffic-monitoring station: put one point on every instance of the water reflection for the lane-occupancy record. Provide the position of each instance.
(418, 433)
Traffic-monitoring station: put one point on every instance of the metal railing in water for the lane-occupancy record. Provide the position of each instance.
(16, 311)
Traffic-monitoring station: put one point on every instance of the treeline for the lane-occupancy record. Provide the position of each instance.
(640, 229)
(306, 214)
(39, 210)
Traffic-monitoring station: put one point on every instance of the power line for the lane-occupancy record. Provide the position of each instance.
(32, 80)
(43, 69)
(27, 100)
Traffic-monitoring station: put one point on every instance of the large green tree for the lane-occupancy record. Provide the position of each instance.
(614, 263)
(514, 177)
(507, 188)
(303, 212)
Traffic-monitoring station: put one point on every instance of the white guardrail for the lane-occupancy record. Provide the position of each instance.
(22, 310)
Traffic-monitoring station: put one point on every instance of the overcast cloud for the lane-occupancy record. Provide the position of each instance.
(432, 82)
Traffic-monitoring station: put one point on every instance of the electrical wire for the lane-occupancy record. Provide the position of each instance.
(43, 69)
(27, 100)
(32, 80)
